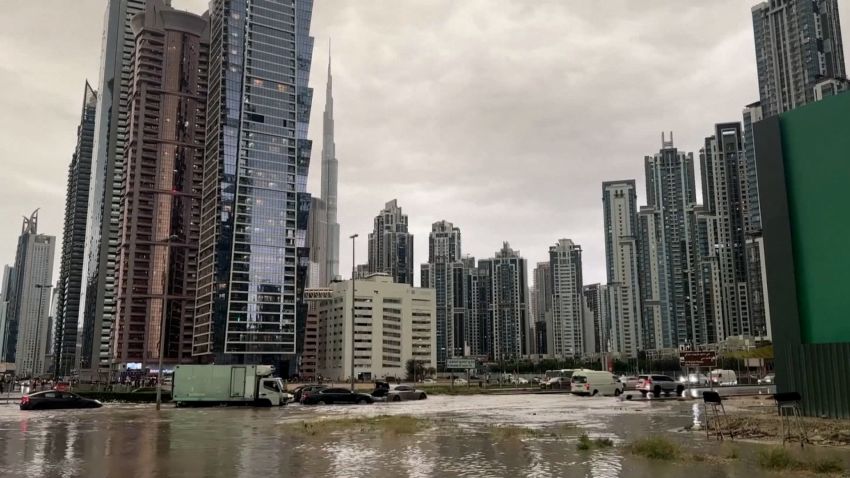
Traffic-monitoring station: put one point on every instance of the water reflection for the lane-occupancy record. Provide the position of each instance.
(136, 442)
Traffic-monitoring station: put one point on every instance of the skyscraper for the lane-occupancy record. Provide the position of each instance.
(798, 45)
(445, 273)
(542, 299)
(98, 296)
(670, 191)
(158, 241)
(750, 193)
(326, 242)
(619, 203)
(30, 305)
(723, 187)
(254, 209)
(566, 338)
(7, 290)
(74, 240)
(507, 287)
(391, 246)
(597, 318)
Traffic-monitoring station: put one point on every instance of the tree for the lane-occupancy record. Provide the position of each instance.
(415, 369)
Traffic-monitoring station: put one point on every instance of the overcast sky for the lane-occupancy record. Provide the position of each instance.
(503, 117)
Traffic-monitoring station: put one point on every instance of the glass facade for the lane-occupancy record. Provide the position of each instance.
(254, 215)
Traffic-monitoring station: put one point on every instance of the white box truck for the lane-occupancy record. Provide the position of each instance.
(207, 385)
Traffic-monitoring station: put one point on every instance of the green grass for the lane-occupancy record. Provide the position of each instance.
(825, 465)
(391, 424)
(655, 448)
(584, 442)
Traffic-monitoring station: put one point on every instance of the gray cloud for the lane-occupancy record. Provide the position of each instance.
(503, 117)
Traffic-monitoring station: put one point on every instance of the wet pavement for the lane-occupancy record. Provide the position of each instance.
(135, 441)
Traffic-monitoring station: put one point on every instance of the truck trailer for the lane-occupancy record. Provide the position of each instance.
(208, 385)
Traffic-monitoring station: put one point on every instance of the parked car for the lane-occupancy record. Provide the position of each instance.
(658, 384)
(723, 377)
(51, 399)
(429, 381)
(405, 392)
(629, 382)
(460, 381)
(305, 391)
(519, 381)
(768, 379)
(594, 382)
(331, 396)
(556, 383)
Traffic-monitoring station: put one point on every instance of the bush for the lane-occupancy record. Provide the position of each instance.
(655, 448)
(584, 442)
(777, 459)
(826, 465)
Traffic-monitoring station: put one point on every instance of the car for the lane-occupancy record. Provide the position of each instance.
(519, 381)
(557, 382)
(460, 381)
(304, 391)
(595, 382)
(658, 384)
(52, 399)
(405, 392)
(330, 396)
(694, 379)
(629, 382)
(768, 379)
(429, 381)
(722, 377)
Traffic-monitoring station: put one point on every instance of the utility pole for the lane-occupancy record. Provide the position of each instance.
(353, 283)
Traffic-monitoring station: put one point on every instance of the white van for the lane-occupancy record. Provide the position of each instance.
(595, 382)
(723, 377)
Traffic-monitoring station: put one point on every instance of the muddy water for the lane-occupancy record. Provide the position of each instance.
(135, 441)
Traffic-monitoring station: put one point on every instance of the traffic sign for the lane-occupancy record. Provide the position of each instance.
(698, 359)
(460, 363)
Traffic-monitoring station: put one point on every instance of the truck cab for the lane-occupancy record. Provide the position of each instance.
(271, 389)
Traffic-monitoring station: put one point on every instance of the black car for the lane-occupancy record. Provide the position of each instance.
(52, 399)
(336, 395)
(304, 391)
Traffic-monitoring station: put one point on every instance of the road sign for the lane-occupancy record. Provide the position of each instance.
(698, 359)
(460, 363)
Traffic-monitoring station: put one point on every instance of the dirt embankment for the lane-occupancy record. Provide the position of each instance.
(757, 418)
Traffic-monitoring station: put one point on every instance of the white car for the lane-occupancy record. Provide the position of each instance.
(460, 381)
(429, 381)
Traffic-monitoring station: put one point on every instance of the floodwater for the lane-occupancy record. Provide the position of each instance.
(136, 441)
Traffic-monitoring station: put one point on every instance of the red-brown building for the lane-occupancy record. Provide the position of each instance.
(158, 241)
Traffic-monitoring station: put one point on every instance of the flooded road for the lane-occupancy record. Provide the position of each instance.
(135, 441)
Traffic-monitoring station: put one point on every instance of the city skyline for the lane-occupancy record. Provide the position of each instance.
(36, 175)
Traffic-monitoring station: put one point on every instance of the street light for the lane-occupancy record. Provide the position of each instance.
(167, 243)
(353, 281)
(40, 288)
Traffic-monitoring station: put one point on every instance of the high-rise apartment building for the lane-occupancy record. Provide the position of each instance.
(723, 168)
(30, 304)
(253, 256)
(445, 273)
(665, 240)
(7, 289)
(619, 203)
(597, 319)
(324, 229)
(749, 191)
(477, 329)
(164, 154)
(69, 287)
(542, 306)
(566, 338)
(393, 323)
(98, 296)
(798, 45)
(391, 246)
(507, 317)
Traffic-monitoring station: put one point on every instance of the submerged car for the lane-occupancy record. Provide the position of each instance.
(330, 396)
(405, 392)
(52, 400)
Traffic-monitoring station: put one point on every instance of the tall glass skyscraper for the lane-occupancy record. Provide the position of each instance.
(254, 208)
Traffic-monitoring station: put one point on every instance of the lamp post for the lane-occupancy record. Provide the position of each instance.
(353, 283)
(35, 349)
(167, 243)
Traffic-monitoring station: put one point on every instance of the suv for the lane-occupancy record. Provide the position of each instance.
(658, 384)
